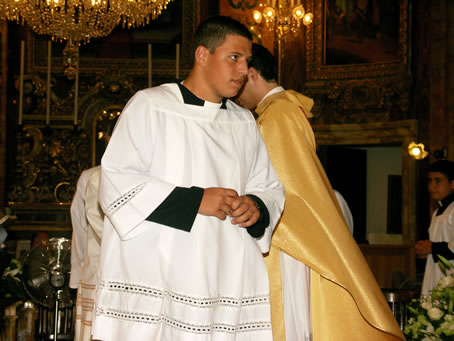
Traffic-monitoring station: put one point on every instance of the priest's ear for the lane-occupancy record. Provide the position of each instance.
(253, 75)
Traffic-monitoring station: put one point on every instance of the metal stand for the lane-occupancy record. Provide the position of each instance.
(57, 306)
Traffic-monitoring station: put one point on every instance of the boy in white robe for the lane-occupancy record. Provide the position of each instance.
(190, 199)
(79, 223)
(441, 230)
(87, 222)
(88, 277)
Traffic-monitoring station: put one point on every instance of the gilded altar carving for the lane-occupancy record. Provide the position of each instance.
(48, 164)
(360, 100)
(49, 159)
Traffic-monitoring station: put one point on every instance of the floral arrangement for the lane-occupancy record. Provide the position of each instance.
(11, 287)
(433, 316)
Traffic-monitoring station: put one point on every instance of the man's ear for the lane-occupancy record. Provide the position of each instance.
(201, 54)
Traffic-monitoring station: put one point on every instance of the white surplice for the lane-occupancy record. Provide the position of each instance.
(86, 291)
(441, 230)
(345, 210)
(161, 283)
(80, 228)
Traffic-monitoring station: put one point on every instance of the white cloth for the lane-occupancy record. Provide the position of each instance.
(160, 283)
(80, 227)
(345, 210)
(441, 230)
(87, 288)
(296, 292)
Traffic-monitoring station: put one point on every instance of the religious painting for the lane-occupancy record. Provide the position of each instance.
(361, 32)
(357, 39)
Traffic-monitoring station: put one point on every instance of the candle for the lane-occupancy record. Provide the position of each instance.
(177, 63)
(292, 3)
(21, 80)
(49, 57)
(149, 66)
(76, 88)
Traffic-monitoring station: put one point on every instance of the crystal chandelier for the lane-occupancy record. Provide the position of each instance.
(80, 20)
(283, 17)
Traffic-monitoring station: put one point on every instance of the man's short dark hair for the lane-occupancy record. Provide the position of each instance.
(264, 62)
(212, 32)
(445, 167)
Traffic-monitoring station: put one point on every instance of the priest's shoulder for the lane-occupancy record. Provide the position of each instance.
(286, 103)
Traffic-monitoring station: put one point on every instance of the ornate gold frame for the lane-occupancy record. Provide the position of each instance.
(315, 44)
(36, 59)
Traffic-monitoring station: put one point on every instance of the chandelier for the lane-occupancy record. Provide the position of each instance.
(283, 17)
(80, 20)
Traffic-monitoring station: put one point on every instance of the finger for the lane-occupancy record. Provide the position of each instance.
(246, 218)
(235, 204)
(226, 209)
(221, 215)
(251, 221)
(230, 202)
(231, 193)
(240, 219)
(242, 209)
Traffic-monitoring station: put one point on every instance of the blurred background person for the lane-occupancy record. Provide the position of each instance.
(440, 182)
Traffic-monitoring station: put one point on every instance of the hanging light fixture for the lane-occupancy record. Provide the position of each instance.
(283, 17)
(80, 20)
(76, 21)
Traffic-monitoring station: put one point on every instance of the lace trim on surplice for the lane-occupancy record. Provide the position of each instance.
(124, 199)
(200, 302)
(185, 326)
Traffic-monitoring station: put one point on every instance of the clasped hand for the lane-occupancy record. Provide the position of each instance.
(423, 248)
(222, 202)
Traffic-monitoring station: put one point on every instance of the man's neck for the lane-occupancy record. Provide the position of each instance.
(198, 87)
(267, 88)
(270, 86)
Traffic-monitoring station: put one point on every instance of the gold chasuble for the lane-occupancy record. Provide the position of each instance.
(346, 301)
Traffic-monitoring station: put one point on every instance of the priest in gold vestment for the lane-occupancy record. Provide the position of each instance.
(321, 287)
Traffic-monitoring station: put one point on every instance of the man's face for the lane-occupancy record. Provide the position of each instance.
(226, 69)
(246, 97)
(439, 185)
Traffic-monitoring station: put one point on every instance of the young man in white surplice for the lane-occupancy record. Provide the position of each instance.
(191, 200)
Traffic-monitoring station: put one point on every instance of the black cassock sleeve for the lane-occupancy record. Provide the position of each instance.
(180, 208)
(441, 248)
(258, 229)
